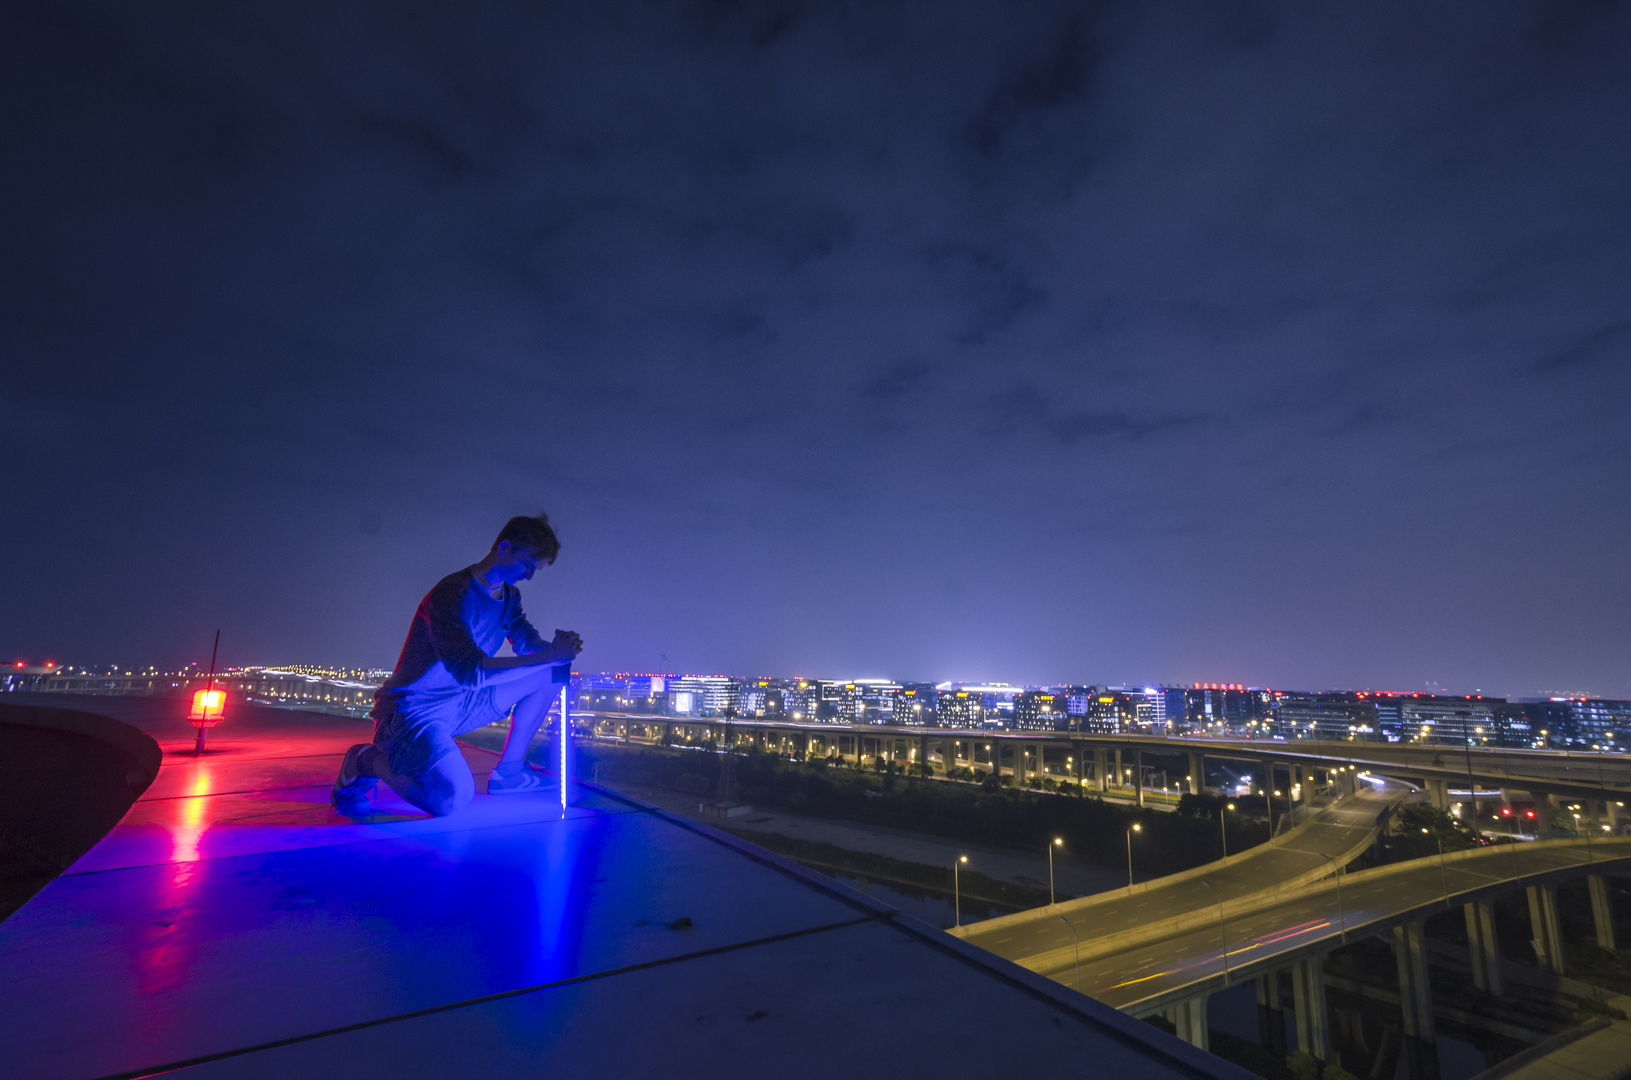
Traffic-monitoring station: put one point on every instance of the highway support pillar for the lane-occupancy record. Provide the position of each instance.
(1271, 1014)
(1101, 768)
(1438, 793)
(1482, 944)
(1543, 812)
(1546, 936)
(1138, 776)
(1612, 810)
(1416, 1000)
(1121, 777)
(1189, 1018)
(1602, 911)
(1308, 1000)
(1197, 773)
(948, 754)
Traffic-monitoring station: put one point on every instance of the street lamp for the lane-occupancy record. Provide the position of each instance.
(1342, 916)
(1076, 947)
(1222, 834)
(1056, 843)
(1443, 874)
(1223, 932)
(957, 889)
(1588, 836)
(1136, 828)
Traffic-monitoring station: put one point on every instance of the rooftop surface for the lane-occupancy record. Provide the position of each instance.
(233, 925)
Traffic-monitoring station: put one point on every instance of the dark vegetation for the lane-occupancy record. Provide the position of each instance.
(983, 813)
(1419, 830)
(973, 884)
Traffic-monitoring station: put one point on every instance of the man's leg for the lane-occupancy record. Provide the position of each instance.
(445, 786)
(531, 700)
(525, 721)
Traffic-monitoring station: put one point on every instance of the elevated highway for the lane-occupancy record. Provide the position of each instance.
(1154, 910)
(1117, 763)
(1292, 929)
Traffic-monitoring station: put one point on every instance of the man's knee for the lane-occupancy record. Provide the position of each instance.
(448, 787)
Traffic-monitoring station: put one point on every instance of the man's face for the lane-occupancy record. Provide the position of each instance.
(512, 564)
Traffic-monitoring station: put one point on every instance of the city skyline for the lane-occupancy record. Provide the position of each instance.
(376, 675)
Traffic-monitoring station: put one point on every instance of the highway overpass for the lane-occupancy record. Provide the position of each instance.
(1117, 764)
(1292, 928)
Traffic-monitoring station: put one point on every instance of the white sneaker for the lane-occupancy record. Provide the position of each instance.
(352, 791)
(528, 779)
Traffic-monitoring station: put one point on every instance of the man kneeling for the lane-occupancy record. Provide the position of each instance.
(448, 682)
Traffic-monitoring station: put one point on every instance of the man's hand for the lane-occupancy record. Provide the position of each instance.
(566, 646)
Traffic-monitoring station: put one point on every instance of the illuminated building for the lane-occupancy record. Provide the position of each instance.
(1450, 719)
(799, 698)
(959, 708)
(914, 704)
(1578, 722)
(1042, 710)
(700, 695)
(1225, 707)
(1333, 716)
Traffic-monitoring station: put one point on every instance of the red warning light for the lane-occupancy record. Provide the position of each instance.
(1528, 813)
(207, 708)
(1506, 811)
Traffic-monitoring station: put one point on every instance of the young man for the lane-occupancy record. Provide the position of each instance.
(448, 681)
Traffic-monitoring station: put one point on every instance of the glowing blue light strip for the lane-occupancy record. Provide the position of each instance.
(566, 732)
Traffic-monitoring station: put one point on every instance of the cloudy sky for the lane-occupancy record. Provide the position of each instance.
(1284, 344)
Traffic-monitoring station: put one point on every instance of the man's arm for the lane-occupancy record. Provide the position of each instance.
(522, 637)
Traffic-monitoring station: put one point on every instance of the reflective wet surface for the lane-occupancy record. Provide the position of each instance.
(234, 924)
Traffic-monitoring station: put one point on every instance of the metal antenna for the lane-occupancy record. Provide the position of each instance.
(198, 747)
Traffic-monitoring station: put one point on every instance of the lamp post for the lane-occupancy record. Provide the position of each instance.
(1342, 916)
(1222, 833)
(1223, 931)
(1136, 828)
(1443, 875)
(1057, 842)
(1268, 800)
(957, 889)
(1588, 837)
(1076, 948)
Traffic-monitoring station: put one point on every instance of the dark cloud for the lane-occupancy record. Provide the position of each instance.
(1093, 341)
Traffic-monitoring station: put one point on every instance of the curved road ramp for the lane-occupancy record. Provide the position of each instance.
(1052, 939)
(1261, 916)
(232, 925)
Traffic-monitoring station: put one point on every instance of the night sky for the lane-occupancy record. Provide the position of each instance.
(1287, 345)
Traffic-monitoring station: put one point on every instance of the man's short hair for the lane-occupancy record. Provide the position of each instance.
(533, 533)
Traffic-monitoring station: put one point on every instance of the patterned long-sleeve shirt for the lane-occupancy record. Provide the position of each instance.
(458, 625)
